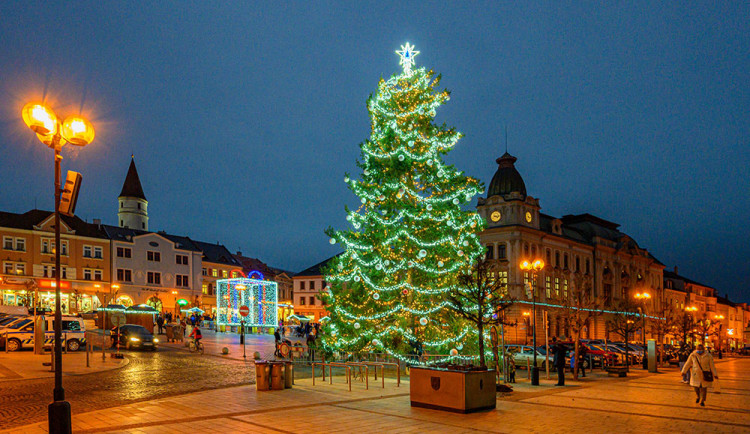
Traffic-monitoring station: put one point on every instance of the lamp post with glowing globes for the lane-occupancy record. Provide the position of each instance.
(643, 297)
(79, 132)
(534, 267)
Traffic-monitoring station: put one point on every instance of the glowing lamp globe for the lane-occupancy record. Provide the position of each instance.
(78, 131)
(39, 119)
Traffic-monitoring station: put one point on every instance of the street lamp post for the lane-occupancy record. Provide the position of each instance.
(642, 297)
(718, 318)
(76, 131)
(534, 267)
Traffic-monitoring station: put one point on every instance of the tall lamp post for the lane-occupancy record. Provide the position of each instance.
(533, 267)
(718, 319)
(643, 297)
(50, 131)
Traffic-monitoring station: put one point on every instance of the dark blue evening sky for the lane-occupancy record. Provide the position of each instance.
(244, 117)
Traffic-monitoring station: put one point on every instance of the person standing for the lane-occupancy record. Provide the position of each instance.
(682, 357)
(702, 372)
(559, 361)
(160, 323)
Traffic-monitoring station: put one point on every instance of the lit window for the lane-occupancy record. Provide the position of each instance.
(214, 272)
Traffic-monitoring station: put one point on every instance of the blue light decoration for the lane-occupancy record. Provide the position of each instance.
(261, 296)
(255, 274)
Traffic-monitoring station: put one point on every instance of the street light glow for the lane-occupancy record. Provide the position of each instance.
(39, 119)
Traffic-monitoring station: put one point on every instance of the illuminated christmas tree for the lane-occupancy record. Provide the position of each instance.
(410, 238)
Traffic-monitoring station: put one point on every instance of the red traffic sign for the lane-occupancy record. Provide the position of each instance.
(244, 310)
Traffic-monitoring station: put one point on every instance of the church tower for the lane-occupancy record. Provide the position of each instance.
(133, 209)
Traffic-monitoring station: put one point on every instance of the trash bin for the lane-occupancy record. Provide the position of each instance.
(262, 371)
(277, 372)
(288, 368)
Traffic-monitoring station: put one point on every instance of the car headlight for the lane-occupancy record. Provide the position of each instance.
(156, 340)
(135, 339)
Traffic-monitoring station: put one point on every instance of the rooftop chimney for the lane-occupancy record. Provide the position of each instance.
(675, 270)
(239, 253)
(98, 222)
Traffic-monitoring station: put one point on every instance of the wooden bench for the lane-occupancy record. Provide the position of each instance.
(620, 371)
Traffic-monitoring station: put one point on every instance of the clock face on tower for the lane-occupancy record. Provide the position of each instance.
(496, 216)
(528, 217)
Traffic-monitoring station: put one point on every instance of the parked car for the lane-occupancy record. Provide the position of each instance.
(134, 336)
(523, 354)
(20, 334)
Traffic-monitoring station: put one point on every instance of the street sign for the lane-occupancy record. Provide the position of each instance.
(244, 310)
(117, 318)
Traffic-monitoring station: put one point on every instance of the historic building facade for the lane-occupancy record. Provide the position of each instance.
(307, 284)
(27, 277)
(580, 252)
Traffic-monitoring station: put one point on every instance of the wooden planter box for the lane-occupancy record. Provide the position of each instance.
(457, 391)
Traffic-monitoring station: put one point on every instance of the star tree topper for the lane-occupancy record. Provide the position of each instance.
(407, 54)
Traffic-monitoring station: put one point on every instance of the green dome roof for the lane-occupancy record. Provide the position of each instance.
(506, 179)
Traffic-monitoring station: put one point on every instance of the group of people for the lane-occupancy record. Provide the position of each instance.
(193, 320)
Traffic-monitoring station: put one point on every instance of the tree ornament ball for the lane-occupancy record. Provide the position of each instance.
(429, 162)
(410, 264)
(460, 253)
(423, 321)
(332, 241)
(376, 296)
(400, 158)
(363, 200)
(341, 267)
(375, 342)
(466, 243)
(357, 278)
(405, 291)
(455, 201)
(381, 197)
(423, 253)
(349, 217)
(346, 179)
(429, 207)
(440, 263)
(454, 352)
(378, 266)
(468, 197)
(356, 325)
(366, 172)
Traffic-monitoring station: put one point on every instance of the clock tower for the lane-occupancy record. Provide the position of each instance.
(507, 203)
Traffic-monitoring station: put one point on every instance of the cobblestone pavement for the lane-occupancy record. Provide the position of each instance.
(149, 375)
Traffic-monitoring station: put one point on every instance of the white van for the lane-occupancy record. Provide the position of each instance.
(73, 333)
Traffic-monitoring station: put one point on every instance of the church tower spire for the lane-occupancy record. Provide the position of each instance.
(133, 210)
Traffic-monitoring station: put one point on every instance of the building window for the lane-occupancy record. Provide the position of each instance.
(124, 252)
(526, 250)
(182, 280)
(124, 275)
(587, 266)
(302, 286)
(143, 226)
(557, 259)
(204, 272)
(607, 291)
(557, 287)
(533, 251)
(64, 248)
(153, 256)
(235, 274)
(20, 268)
(312, 285)
(86, 274)
(224, 273)
(214, 272)
(549, 257)
(121, 224)
(139, 206)
(97, 274)
(565, 261)
(182, 259)
(565, 289)
(98, 253)
(548, 286)
(45, 246)
(501, 251)
(489, 252)
(205, 289)
(8, 243)
(21, 244)
(578, 264)
(8, 267)
(87, 251)
(153, 278)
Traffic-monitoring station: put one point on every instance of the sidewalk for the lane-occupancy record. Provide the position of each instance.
(638, 403)
(24, 365)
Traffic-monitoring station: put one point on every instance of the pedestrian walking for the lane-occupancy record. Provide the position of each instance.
(511, 368)
(582, 360)
(183, 326)
(682, 357)
(559, 361)
(700, 364)
(160, 323)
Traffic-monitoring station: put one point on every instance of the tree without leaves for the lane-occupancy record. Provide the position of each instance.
(579, 308)
(625, 322)
(665, 325)
(706, 327)
(683, 329)
(480, 298)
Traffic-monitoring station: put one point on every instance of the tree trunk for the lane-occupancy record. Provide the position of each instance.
(480, 328)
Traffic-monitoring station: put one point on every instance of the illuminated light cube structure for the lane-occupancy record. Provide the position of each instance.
(261, 296)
